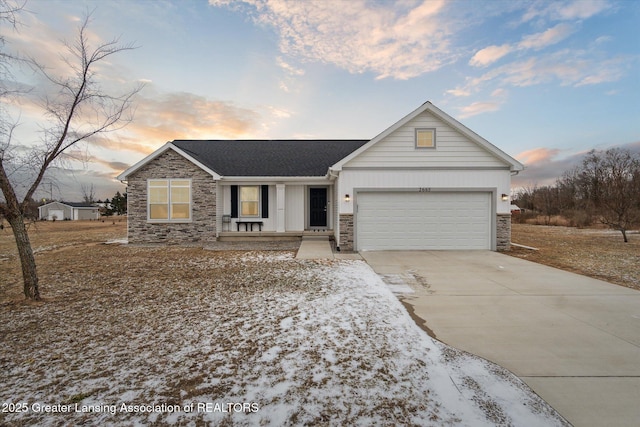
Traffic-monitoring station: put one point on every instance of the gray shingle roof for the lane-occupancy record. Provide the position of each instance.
(269, 157)
(79, 204)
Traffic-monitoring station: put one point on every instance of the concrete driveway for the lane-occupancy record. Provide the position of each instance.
(574, 340)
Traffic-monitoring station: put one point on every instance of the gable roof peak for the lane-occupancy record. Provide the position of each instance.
(514, 165)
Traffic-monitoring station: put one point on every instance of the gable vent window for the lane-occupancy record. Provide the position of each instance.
(425, 138)
(169, 200)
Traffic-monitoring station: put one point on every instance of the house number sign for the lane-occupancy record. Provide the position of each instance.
(424, 189)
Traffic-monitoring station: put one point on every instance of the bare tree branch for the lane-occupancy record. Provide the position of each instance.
(78, 92)
(78, 110)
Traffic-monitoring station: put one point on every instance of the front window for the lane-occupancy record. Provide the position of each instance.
(169, 199)
(249, 201)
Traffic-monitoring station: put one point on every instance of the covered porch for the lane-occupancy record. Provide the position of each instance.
(259, 210)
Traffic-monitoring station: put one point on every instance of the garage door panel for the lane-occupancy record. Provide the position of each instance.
(434, 220)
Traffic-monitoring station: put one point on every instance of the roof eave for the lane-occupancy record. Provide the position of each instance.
(382, 135)
(514, 165)
(275, 178)
(125, 175)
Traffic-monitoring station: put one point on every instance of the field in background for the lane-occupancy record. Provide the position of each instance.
(599, 253)
(48, 235)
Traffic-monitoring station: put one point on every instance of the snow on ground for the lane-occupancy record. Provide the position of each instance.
(257, 338)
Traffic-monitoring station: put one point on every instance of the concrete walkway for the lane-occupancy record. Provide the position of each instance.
(574, 340)
(315, 248)
(320, 248)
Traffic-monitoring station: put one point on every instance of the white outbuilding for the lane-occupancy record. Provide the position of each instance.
(68, 211)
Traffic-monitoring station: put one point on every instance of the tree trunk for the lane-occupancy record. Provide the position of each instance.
(27, 259)
(624, 235)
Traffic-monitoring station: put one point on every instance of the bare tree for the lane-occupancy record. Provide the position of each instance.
(88, 193)
(77, 110)
(610, 182)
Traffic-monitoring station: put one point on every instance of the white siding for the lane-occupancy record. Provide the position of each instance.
(351, 180)
(294, 207)
(452, 149)
(225, 209)
(92, 213)
(57, 214)
(61, 211)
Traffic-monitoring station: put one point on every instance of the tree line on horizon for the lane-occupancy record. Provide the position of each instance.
(604, 188)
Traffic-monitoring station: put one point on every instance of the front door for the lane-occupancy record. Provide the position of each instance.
(317, 207)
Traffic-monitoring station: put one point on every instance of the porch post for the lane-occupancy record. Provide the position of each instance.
(280, 208)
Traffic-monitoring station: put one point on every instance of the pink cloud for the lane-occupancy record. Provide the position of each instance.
(549, 37)
(479, 108)
(489, 55)
(400, 40)
(537, 155)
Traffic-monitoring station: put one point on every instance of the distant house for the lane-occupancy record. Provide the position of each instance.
(68, 211)
(515, 210)
(426, 182)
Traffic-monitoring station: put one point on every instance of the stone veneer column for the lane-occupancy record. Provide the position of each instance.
(346, 232)
(503, 232)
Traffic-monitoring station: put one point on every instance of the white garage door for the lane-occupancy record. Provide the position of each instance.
(430, 220)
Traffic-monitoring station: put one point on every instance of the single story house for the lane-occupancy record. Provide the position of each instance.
(426, 182)
(68, 211)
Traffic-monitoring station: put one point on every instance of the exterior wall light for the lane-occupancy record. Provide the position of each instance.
(347, 198)
(505, 197)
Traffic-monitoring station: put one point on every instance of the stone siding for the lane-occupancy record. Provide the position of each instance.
(346, 232)
(503, 232)
(201, 230)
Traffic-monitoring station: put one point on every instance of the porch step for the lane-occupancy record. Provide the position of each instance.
(311, 237)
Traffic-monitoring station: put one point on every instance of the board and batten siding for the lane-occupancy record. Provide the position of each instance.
(269, 223)
(294, 207)
(453, 149)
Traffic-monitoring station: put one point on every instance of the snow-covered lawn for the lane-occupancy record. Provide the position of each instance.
(186, 336)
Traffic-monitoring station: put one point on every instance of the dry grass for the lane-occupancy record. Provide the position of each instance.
(598, 253)
(49, 235)
(311, 343)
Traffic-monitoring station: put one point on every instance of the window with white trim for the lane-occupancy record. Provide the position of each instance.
(169, 200)
(250, 201)
(426, 138)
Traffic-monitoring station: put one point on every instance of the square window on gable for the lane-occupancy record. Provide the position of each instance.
(426, 138)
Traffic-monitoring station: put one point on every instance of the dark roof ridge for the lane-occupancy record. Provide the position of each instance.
(75, 204)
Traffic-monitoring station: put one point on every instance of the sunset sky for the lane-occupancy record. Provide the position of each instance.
(544, 81)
